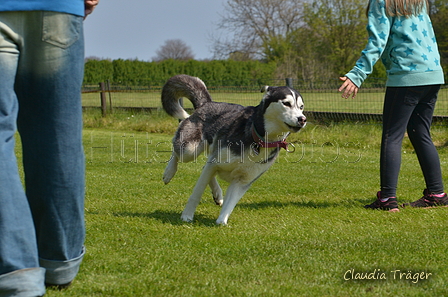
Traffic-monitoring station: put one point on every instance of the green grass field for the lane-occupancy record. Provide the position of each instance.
(367, 101)
(301, 230)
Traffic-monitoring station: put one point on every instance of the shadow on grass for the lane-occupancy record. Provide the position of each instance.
(173, 218)
(170, 217)
(353, 203)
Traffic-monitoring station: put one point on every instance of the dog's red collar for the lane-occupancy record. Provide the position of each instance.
(261, 143)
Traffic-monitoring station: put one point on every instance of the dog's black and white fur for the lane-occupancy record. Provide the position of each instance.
(240, 143)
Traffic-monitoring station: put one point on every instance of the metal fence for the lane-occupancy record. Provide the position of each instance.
(322, 99)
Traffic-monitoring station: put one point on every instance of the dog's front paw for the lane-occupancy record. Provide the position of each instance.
(222, 219)
(186, 218)
(221, 223)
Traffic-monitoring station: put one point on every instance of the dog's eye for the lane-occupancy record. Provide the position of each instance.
(301, 107)
(287, 104)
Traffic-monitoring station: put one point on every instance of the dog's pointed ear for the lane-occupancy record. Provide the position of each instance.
(265, 89)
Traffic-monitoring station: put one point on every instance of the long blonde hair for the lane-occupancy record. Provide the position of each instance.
(404, 7)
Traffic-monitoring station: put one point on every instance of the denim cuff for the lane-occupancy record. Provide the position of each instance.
(23, 282)
(61, 272)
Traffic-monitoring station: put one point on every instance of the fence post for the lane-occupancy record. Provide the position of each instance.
(103, 99)
(110, 97)
(289, 83)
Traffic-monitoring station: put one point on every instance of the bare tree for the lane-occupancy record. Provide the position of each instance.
(254, 23)
(174, 49)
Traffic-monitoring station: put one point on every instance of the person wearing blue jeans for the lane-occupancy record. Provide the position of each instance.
(401, 35)
(41, 71)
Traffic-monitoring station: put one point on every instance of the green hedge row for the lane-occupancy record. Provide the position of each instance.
(214, 73)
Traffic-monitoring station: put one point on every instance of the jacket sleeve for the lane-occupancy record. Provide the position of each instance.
(378, 29)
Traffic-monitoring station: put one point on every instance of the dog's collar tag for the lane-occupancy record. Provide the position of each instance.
(261, 143)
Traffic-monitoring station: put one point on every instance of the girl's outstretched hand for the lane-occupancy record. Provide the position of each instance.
(348, 87)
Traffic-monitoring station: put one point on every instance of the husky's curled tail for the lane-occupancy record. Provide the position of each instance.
(186, 86)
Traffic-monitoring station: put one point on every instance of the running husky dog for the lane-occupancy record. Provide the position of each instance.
(241, 143)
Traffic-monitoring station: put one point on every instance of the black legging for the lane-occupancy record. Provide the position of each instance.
(411, 109)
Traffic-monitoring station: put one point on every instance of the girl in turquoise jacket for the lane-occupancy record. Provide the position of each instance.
(401, 35)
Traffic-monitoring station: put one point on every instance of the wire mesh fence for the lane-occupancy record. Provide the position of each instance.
(322, 99)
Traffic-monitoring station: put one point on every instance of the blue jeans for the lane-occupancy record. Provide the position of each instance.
(409, 109)
(41, 230)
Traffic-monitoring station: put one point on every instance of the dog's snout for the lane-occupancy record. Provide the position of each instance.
(302, 120)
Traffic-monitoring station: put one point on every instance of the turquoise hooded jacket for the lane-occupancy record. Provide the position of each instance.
(406, 46)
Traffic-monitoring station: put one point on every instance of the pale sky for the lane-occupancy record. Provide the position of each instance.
(129, 29)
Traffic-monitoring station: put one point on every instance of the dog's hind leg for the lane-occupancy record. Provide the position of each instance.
(170, 169)
(207, 174)
(186, 152)
(216, 191)
(234, 193)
